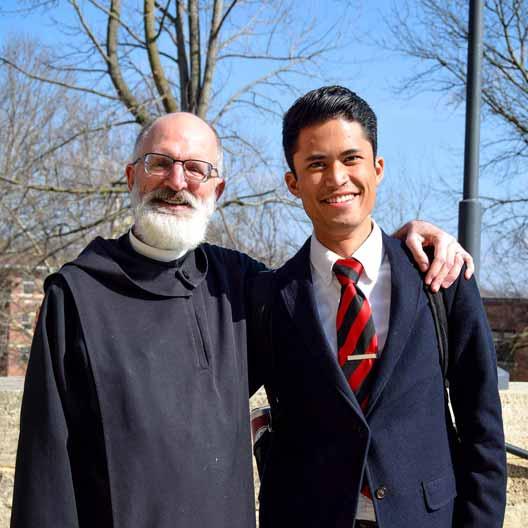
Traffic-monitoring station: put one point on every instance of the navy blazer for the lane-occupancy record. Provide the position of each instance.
(404, 444)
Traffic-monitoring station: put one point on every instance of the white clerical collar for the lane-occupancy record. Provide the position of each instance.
(163, 255)
(370, 254)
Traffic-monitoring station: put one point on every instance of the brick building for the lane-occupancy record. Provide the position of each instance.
(20, 298)
(508, 319)
(21, 295)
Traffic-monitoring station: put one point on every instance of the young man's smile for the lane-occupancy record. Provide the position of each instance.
(341, 200)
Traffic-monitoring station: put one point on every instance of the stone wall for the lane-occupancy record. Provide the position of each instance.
(515, 411)
(515, 414)
(10, 397)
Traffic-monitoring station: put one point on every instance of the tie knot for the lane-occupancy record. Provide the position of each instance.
(346, 270)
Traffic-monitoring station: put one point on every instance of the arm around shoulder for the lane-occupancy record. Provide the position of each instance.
(259, 332)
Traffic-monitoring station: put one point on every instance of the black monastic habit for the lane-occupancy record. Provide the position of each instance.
(135, 409)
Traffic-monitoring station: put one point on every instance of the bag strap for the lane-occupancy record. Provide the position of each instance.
(437, 302)
(439, 311)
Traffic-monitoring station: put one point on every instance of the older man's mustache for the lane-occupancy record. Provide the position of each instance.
(182, 197)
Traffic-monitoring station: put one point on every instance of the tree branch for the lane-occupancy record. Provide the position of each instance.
(210, 63)
(66, 190)
(114, 70)
(55, 82)
(195, 55)
(183, 67)
(169, 103)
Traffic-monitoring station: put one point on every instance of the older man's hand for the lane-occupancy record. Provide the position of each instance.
(449, 255)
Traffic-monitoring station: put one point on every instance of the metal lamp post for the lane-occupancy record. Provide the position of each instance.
(470, 211)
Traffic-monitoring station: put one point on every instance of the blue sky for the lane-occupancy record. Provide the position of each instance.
(420, 137)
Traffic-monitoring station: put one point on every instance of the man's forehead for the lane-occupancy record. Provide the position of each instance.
(181, 127)
(335, 122)
(181, 134)
(330, 131)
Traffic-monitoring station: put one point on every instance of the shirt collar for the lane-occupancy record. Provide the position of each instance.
(370, 254)
(157, 276)
(162, 255)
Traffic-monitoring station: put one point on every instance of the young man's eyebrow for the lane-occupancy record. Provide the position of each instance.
(350, 151)
(320, 156)
(315, 157)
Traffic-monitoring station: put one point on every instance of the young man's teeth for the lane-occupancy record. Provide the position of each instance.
(339, 199)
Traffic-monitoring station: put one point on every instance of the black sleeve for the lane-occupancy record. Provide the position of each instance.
(256, 276)
(259, 299)
(44, 492)
(481, 461)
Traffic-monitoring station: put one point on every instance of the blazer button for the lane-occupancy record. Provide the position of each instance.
(381, 493)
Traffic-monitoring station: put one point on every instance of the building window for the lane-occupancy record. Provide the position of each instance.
(23, 354)
(27, 321)
(28, 287)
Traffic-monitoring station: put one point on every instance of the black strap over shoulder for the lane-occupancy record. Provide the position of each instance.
(438, 308)
(437, 302)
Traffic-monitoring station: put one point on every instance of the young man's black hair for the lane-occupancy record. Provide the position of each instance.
(323, 104)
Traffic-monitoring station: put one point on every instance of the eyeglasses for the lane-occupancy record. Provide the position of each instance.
(160, 166)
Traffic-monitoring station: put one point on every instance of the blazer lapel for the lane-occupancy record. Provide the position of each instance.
(405, 294)
(296, 289)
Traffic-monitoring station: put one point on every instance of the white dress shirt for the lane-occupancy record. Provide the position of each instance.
(374, 282)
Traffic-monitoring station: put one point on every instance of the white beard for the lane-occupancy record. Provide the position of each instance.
(161, 229)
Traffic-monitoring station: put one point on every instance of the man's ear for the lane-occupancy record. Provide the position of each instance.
(291, 182)
(129, 172)
(219, 189)
(379, 166)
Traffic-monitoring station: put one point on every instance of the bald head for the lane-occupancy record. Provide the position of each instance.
(182, 126)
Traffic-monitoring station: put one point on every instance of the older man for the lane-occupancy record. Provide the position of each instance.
(135, 411)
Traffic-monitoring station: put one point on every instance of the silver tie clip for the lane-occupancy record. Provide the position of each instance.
(358, 357)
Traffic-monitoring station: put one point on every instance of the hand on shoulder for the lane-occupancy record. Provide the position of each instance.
(449, 255)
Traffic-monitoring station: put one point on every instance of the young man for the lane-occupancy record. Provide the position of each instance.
(362, 435)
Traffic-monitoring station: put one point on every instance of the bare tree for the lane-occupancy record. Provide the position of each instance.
(55, 156)
(209, 58)
(435, 32)
(125, 63)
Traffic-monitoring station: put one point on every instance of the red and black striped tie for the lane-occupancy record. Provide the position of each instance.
(357, 343)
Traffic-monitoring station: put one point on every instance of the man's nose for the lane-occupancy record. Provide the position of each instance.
(176, 177)
(337, 174)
